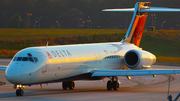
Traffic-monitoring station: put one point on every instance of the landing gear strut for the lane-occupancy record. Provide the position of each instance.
(112, 84)
(69, 84)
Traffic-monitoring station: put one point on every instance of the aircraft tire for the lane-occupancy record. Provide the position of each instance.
(65, 85)
(71, 85)
(19, 92)
(115, 85)
(109, 85)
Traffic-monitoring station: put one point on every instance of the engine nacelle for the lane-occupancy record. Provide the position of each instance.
(138, 59)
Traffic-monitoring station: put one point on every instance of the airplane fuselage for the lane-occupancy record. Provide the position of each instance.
(63, 63)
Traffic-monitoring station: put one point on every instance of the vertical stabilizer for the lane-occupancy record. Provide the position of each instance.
(136, 27)
(138, 21)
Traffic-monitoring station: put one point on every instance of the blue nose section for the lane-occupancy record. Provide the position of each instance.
(13, 75)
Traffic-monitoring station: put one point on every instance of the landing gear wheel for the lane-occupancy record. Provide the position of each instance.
(71, 85)
(19, 92)
(115, 85)
(65, 85)
(109, 85)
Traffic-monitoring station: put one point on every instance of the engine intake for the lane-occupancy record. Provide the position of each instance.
(138, 59)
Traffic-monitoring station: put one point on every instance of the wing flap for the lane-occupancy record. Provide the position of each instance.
(134, 72)
(3, 68)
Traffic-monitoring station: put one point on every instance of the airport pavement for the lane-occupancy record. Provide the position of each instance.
(139, 88)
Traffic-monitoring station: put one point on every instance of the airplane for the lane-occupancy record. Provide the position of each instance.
(96, 61)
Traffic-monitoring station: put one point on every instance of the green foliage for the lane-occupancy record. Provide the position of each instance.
(162, 43)
(14, 21)
(60, 10)
(70, 18)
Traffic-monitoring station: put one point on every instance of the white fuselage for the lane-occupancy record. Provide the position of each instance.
(58, 63)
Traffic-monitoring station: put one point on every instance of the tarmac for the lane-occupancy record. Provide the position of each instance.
(139, 88)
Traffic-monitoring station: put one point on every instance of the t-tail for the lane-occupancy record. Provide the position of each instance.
(138, 21)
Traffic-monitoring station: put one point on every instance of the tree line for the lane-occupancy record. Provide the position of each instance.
(76, 14)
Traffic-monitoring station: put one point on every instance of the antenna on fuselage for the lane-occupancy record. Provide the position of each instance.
(47, 44)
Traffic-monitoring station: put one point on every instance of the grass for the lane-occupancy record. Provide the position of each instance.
(168, 59)
(162, 43)
(28, 34)
(165, 44)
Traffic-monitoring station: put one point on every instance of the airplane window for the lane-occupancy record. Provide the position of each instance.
(15, 59)
(36, 59)
(25, 59)
(29, 54)
(31, 59)
(19, 58)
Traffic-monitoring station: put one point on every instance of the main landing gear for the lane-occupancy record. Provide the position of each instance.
(19, 91)
(112, 84)
(69, 84)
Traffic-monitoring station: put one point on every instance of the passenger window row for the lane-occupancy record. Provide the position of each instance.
(32, 59)
(114, 56)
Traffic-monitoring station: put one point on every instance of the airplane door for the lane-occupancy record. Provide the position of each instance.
(44, 67)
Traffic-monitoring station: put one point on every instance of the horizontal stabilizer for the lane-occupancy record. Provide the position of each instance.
(120, 10)
(159, 9)
(134, 72)
(150, 9)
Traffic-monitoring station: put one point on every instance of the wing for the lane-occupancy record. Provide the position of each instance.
(3, 68)
(134, 72)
